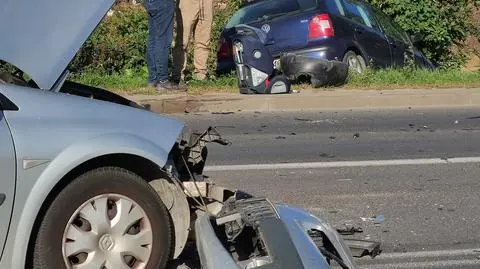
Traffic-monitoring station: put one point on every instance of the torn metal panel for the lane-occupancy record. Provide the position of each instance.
(322, 72)
(190, 153)
(198, 143)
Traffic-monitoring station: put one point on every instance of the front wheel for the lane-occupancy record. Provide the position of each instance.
(108, 218)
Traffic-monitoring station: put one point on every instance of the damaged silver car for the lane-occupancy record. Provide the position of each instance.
(91, 180)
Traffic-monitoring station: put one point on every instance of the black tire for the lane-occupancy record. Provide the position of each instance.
(282, 81)
(47, 250)
(351, 57)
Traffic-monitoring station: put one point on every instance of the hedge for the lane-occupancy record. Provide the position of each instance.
(119, 43)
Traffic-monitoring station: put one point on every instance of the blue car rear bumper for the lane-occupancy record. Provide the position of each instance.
(331, 50)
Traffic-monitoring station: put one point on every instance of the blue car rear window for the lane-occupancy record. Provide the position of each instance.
(256, 11)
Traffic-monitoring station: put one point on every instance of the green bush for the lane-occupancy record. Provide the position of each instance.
(444, 23)
(118, 46)
(219, 21)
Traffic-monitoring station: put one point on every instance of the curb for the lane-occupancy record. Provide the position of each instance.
(312, 100)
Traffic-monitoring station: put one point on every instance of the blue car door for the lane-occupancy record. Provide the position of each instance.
(288, 29)
(7, 178)
(398, 40)
(367, 34)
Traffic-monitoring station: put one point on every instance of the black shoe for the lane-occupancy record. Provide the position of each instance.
(169, 87)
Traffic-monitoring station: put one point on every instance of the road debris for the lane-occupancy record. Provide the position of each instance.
(375, 219)
(349, 231)
(474, 118)
(317, 121)
(325, 155)
(280, 137)
(379, 219)
(223, 113)
(301, 119)
(332, 137)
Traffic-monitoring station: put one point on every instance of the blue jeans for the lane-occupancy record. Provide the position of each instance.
(160, 34)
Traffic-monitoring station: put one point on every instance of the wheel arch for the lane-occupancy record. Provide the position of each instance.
(125, 151)
(355, 47)
(141, 166)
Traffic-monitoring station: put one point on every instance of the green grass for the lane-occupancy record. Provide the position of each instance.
(135, 83)
(405, 78)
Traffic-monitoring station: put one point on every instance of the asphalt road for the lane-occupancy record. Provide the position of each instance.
(328, 136)
(431, 208)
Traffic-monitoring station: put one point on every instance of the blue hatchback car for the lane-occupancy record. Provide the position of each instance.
(345, 30)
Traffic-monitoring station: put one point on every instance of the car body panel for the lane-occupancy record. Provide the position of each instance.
(397, 39)
(42, 37)
(299, 221)
(363, 30)
(63, 131)
(331, 48)
(294, 224)
(7, 180)
(289, 32)
(323, 71)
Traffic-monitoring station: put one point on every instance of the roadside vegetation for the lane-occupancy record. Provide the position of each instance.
(114, 56)
(134, 83)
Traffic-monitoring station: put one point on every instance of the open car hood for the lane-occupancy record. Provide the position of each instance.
(42, 37)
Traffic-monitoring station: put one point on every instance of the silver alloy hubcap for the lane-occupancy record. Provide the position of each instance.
(354, 64)
(109, 231)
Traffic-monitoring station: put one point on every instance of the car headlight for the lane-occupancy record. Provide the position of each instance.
(257, 76)
(257, 54)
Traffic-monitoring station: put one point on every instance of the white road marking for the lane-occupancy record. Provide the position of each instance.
(430, 254)
(315, 165)
(424, 265)
(424, 259)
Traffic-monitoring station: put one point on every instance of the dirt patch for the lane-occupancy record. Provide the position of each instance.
(473, 46)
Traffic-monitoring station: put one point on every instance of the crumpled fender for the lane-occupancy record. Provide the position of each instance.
(76, 154)
(324, 71)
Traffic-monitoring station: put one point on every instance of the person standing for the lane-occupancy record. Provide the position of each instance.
(160, 35)
(193, 17)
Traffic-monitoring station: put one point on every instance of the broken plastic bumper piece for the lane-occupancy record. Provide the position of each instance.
(255, 233)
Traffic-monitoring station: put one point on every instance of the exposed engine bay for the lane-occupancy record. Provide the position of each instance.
(233, 229)
(250, 232)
